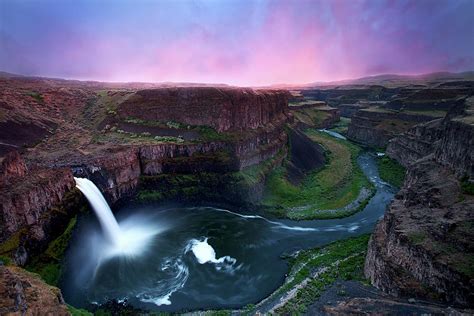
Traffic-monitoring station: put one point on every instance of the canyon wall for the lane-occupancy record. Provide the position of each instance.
(424, 245)
(315, 115)
(375, 127)
(38, 197)
(35, 205)
(225, 109)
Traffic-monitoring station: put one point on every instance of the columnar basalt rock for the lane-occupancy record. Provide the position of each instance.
(27, 197)
(225, 109)
(456, 148)
(424, 245)
(416, 143)
(376, 127)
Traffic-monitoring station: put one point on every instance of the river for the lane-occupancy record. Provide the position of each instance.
(203, 257)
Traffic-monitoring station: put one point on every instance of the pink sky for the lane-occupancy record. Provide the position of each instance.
(237, 42)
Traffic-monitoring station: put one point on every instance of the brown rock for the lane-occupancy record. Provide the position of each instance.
(24, 293)
(225, 109)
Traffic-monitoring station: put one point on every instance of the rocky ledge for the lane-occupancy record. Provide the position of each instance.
(424, 245)
(314, 114)
(222, 108)
(24, 293)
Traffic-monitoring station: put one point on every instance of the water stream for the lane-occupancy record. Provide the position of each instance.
(198, 257)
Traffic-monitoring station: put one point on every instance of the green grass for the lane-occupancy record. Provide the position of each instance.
(341, 126)
(391, 171)
(78, 311)
(311, 116)
(351, 256)
(206, 133)
(256, 173)
(335, 186)
(149, 195)
(5, 260)
(11, 244)
(417, 237)
(36, 95)
(48, 264)
(467, 187)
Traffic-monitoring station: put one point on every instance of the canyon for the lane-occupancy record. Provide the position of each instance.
(430, 220)
(201, 145)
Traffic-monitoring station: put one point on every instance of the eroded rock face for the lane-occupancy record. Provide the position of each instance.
(225, 109)
(456, 148)
(416, 143)
(12, 166)
(424, 245)
(27, 197)
(23, 293)
(377, 127)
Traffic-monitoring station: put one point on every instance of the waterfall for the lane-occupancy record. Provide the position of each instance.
(101, 208)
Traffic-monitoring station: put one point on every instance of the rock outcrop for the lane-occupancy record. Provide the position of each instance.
(375, 127)
(315, 115)
(348, 110)
(424, 245)
(225, 109)
(12, 166)
(24, 293)
(26, 197)
(416, 143)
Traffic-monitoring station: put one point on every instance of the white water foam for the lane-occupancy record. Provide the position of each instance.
(277, 224)
(204, 253)
(180, 271)
(350, 227)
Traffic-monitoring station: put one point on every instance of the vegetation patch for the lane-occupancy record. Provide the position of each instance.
(314, 270)
(48, 264)
(78, 311)
(417, 237)
(341, 126)
(391, 171)
(324, 193)
(311, 116)
(206, 133)
(467, 186)
(36, 95)
(11, 244)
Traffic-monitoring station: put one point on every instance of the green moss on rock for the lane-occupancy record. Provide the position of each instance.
(391, 171)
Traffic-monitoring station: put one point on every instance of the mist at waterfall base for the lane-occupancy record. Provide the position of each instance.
(185, 258)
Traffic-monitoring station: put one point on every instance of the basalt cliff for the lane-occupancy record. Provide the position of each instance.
(424, 245)
(150, 144)
(165, 143)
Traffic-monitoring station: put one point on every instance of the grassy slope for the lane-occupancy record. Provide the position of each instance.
(48, 265)
(340, 260)
(341, 126)
(333, 187)
(311, 116)
(391, 171)
(311, 272)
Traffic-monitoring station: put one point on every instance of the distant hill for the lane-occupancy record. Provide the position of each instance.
(387, 80)
(397, 80)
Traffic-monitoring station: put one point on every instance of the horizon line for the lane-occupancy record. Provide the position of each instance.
(316, 82)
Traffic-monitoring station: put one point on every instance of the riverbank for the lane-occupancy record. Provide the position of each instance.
(338, 190)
